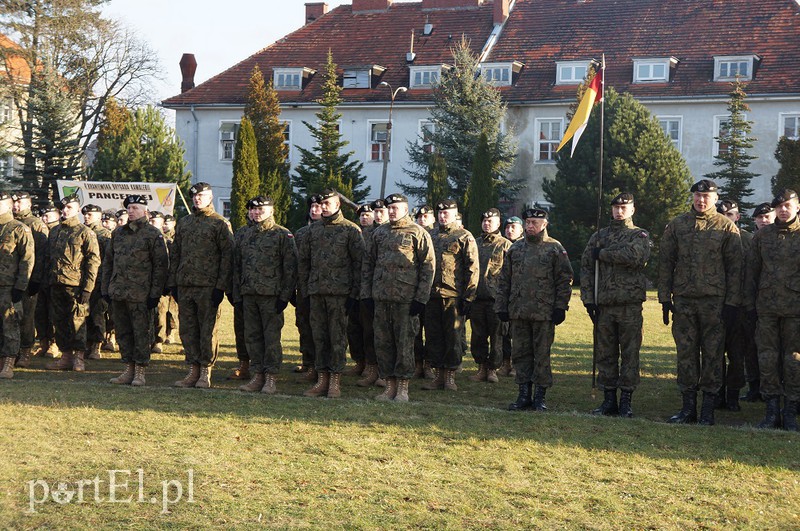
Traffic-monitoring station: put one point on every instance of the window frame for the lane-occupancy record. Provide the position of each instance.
(562, 65)
(223, 143)
(413, 70)
(554, 141)
(729, 59)
(276, 72)
(287, 139)
(370, 142)
(358, 70)
(718, 120)
(782, 124)
(221, 203)
(677, 118)
(426, 147)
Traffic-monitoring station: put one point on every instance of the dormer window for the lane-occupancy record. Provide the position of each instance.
(291, 78)
(729, 68)
(653, 70)
(501, 74)
(361, 77)
(424, 77)
(571, 72)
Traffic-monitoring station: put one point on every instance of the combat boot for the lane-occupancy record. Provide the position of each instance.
(64, 363)
(437, 383)
(380, 382)
(204, 380)
(428, 372)
(688, 412)
(479, 376)
(419, 370)
(625, 409)
(190, 379)
(334, 389)
(24, 358)
(538, 398)
(357, 369)
(370, 376)
(402, 390)
(390, 392)
(609, 405)
(505, 370)
(732, 400)
(93, 352)
(790, 415)
(321, 387)
(270, 384)
(772, 419)
(254, 385)
(77, 361)
(309, 376)
(7, 371)
(753, 392)
(242, 372)
(719, 398)
(491, 376)
(707, 409)
(127, 375)
(450, 380)
(158, 348)
(138, 376)
(523, 399)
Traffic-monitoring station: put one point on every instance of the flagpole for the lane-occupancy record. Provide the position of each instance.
(599, 219)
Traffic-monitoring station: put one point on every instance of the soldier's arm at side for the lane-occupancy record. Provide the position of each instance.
(587, 272)
(563, 279)
(504, 284)
(303, 264)
(368, 268)
(732, 255)
(289, 267)
(472, 268)
(26, 257)
(752, 274)
(426, 266)
(91, 260)
(175, 257)
(107, 268)
(356, 251)
(39, 233)
(160, 261)
(666, 265)
(225, 246)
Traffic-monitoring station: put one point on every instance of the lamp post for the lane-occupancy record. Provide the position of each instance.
(388, 149)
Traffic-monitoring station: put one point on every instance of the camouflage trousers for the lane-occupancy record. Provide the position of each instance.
(239, 334)
(778, 340)
(329, 327)
(262, 332)
(748, 346)
(11, 315)
(43, 315)
(420, 353)
(395, 330)
(27, 334)
(736, 344)
(134, 330)
(443, 329)
(618, 340)
(361, 335)
(505, 330)
(700, 342)
(302, 319)
(198, 317)
(96, 322)
(531, 354)
(165, 320)
(69, 317)
(486, 341)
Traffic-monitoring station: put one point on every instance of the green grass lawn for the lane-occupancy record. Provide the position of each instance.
(444, 460)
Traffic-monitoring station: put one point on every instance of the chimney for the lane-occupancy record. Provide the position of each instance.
(314, 10)
(371, 6)
(188, 68)
(500, 11)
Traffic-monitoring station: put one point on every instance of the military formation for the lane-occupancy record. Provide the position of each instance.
(397, 289)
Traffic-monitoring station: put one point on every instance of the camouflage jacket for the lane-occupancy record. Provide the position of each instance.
(16, 253)
(772, 278)
(264, 261)
(399, 263)
(73, 255)
(701, 256)
(136, 264)
(202, 252)
(103, 237)
(330, 257)
(457, 268)
(491, 250)
(39, 231)
(300, 235)
(536, 278)
(625, 249)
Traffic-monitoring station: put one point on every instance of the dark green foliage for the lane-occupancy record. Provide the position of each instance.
(788, 155)
(245, 182)
(438, 188)
(482, 195)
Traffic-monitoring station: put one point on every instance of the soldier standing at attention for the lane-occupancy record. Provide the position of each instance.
(422, 365)
(108, 220)
(72, 264)
(772, 293)
(533, 294)
(160, 315)
(621, 251)
(135, 269)
(302, 311)
(172, 306)
(122, 217)
(264, 279)
(45, 330)
(455, 284)
(16, 266)
(513, 233)
(39, 232)
(487, 342)
(330, 269)
(355, 328)
(200, 274)
(764, 215)
(96, 323)
(397, 278)
(379, 212)
(700, 280)
(242, 372)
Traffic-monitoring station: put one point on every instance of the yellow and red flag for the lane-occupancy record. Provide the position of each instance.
(593, 94)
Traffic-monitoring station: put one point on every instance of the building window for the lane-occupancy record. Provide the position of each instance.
(426, 130)
(424, 77)
(672, 127)
(225, 206)
(497, 75)
(722, 125)
(6, 166)
(730, 68)
(548, 134)
(356, 78)
(290, 78)
(5, 111)
(287, 140)
(378, 134)
(228, 131)
(790, 126)
(571, 72)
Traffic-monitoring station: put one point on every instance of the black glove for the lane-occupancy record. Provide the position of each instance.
(351, 304)
(666, 307)
(503, 316)
(558, 316)
(84, 297)
(596, 253)
(152, 303)
(175, 293)
(369, 304)
(729, 315)
(416, 308)
(33, 288)
(591, 309)
(293, 299)
(16, 294)
(216, 296)
(280, 305)
(464, 308)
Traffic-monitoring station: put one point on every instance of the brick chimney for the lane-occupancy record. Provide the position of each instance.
(500, 11)
(188, 68)
(367, 6)
(450, 4)
(314, 10)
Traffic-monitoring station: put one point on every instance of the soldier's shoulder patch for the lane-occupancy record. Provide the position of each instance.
(643, 234)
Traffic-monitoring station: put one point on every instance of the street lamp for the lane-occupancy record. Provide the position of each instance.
(388, 149)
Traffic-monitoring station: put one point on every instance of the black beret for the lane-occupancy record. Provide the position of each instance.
(513, 219)
(4, 195)
(624, 198)
(535, 213)
(763, 208)
(91, 208)
(364, 208)
(704, 185)
(16, 196)
(726, 205)
(784, 195)
(155, 214)
(310, 200)
(108, 214)
(260, 201)
(378, 203)
(134, 200)
(121, 213)
(327, 194)
(491, 213)
(169, 217)
(72, 198)
(423, 209)
(395, 198)
(199, 187)
(49, 207)
(446, 204)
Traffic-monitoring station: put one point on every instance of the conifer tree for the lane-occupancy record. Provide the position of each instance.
(788, 155)
(245, 182)
(482, 195)
(437, 188)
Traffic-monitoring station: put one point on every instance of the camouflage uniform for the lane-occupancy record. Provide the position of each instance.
(329, 269)
(535, 279)
(135, 269)
(240, 339)
(360, 331)
(167, 312)
(39, 232)
(264, 271)
(486, 341)
(16, 266)
(740, 339)
(505, 330)
(201, 263)
(302, 311)
(398, 269)
(96, 323)
(625, 249)
(43, 314)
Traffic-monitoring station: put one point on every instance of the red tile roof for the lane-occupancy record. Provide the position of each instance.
(15, 64)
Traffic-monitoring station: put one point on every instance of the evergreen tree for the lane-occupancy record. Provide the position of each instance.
(245, 182)
(482, 195)
(733, 160)
(465, 106)
(438, 188)
(788, 155)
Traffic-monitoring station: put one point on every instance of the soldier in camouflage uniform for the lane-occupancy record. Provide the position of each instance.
(533, 294)
(122, 217)
(620, 251)
(45, 330)
(355, 328)
(242, 372)
(16, 266)
(486, 341)
(156, 219)
(700, 280)
(108, 220)
(264, 279)
(330, 268)
(422, 366)
(72, 263)
(773, 295)
(199, 276)
(455, 284)
(135, 269)
(96, 322)
(302, 311)
(397, 277)
(513, 233)
(172, 307)
(39, 231)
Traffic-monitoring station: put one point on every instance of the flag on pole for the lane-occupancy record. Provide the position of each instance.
(593, 94)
